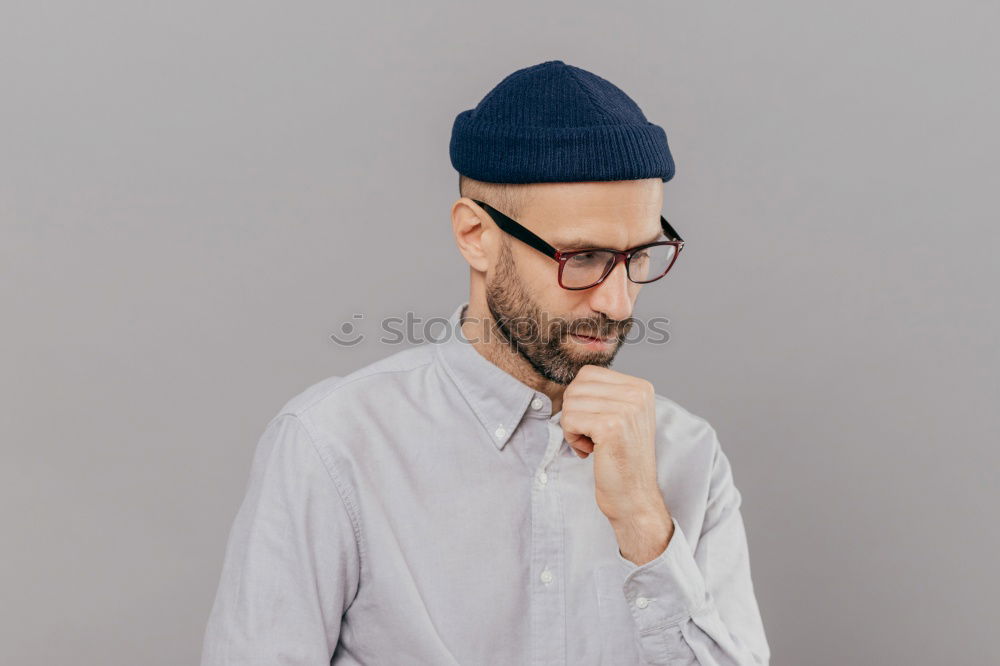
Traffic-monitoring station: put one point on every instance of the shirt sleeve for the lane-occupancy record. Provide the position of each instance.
(697, 606)
(291, 564)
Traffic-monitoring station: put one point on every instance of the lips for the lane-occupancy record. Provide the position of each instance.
(584, 334)
(584, 337)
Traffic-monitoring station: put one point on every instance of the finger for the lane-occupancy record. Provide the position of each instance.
(595, 404)
(601, 373)
(580, 442)
(576, 423)
(630, 393)
(626, 400)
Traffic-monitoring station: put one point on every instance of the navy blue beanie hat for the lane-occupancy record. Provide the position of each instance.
(554, 122)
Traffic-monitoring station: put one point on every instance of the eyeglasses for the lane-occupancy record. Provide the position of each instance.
(583, 269)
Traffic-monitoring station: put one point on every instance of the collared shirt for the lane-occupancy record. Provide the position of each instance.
(426, 509)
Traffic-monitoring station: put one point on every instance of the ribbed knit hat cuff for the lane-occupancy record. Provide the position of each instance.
(485, 151)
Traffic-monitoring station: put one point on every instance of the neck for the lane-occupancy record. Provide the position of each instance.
(479, 327)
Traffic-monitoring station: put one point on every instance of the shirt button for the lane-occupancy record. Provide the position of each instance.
(546, 576)
(543, 478)
(642, 602)
(537, 403)
(501, 432)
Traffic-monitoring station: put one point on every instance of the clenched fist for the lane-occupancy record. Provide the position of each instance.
(613, 416)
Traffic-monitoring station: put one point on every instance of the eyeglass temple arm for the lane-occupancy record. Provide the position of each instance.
(669, 230)
(517, 231)
(525, 235)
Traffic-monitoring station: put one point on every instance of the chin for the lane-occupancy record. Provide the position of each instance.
(590, 358)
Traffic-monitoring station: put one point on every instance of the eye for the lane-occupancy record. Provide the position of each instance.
(583, 258)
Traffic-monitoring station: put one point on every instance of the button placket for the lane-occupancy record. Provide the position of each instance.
(548, 594)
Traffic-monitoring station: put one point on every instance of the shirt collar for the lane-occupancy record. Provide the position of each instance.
(497, 398)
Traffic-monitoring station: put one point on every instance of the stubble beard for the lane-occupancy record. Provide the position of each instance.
(540, 339)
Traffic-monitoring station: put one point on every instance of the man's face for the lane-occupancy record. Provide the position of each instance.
(559, 330)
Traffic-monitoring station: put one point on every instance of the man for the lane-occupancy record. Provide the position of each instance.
(504, 496)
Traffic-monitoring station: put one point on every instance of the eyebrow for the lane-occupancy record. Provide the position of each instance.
(578, 243)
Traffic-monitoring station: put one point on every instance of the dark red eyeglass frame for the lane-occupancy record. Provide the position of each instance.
(525, 235)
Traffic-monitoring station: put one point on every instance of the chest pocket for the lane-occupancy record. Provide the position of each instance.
(616, 625)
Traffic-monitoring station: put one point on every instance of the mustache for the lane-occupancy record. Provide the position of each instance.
(600, 328)
(543, 328)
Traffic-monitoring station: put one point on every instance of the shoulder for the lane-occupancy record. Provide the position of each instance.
(381, 377)
(352, 418)
(684, 434)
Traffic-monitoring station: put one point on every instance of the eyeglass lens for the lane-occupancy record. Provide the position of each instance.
(588, 268)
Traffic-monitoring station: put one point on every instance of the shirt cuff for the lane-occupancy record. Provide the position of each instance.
(666, 590)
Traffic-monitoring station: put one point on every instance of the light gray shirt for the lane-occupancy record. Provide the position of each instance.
(425, 509)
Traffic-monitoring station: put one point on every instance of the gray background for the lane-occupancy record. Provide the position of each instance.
(187, 190)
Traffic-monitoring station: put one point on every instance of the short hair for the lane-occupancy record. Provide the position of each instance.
(508, 198)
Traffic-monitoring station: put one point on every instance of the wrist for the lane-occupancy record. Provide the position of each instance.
(644, 535)
(645, 514)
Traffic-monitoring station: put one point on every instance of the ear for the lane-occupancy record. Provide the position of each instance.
(470, 231)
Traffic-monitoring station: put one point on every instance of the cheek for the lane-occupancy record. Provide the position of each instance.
(564, 301)
(537, 274)
(541, 280)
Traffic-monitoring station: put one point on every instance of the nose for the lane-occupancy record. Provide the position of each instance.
(612, 296)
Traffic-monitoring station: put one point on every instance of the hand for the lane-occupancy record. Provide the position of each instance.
(613, 416)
